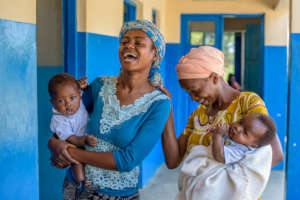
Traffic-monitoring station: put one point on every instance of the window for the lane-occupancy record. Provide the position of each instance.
(129, 11)
(154, 16)
(202, 33)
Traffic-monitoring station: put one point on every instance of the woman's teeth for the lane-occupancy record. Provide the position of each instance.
(129, 55)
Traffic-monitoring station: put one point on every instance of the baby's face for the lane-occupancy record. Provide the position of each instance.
(67, 98)
(247, 131)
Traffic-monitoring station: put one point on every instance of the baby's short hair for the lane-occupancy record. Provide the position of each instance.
(270, 134)
(60, 79)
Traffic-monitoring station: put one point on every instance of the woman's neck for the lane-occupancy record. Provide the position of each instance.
(226, 95)
(134, 82)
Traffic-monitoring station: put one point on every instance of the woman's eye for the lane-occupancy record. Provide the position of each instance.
(59, 101)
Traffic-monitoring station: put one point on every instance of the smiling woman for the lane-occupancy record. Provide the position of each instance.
(127, 115)
(200, 74)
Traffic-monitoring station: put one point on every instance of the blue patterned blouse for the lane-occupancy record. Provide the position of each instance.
(130, 132)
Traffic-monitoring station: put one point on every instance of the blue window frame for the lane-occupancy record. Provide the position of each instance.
(129, 11)
(154, 16)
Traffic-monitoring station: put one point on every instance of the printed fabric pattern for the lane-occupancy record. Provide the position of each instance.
(104, 178)
(199, 123)
(113, 114)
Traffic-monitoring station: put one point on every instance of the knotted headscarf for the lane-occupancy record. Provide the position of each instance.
(159, 43)
(200, 63)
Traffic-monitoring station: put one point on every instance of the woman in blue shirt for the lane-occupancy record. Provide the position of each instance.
(127, 114)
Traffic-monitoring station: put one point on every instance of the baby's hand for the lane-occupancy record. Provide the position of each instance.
(220, 129)
(91, 140)
(82, 83)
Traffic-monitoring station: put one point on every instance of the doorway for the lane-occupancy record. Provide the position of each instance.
(243, 42)
(240, 37)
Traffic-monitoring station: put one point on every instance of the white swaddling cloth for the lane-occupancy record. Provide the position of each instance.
(203, 178)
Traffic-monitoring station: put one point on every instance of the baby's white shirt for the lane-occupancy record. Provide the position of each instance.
(65, 126)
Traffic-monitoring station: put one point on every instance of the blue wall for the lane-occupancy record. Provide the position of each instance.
(18, 111)
(179, 96)
(51, 178)
(293, 150)
(276, 89)
(99, 54)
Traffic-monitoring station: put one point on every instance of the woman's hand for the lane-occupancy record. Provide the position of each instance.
(60, 155)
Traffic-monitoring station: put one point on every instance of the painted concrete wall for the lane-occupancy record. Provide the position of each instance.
(292, 169)
(96, 20)
(50, 178)
(18, 104)
(49, 33)
(273, 18)
(50, 62)
(105, 20)
(18, 10)
(159, 6)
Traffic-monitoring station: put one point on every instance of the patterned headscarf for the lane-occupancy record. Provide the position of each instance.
(159, 42)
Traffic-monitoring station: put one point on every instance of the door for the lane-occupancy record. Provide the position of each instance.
(198, 30)
(253, 59)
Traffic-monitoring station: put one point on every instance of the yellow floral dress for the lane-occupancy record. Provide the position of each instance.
(199, 123)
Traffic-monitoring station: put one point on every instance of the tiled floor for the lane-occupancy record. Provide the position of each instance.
(163, 186)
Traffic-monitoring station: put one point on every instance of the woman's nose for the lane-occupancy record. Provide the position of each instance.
(130, 44)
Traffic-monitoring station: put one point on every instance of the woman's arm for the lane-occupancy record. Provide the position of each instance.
(103, 160)
(60, 156)
(174, 149)
(134, 153)
(63, 154)
(277, 153)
